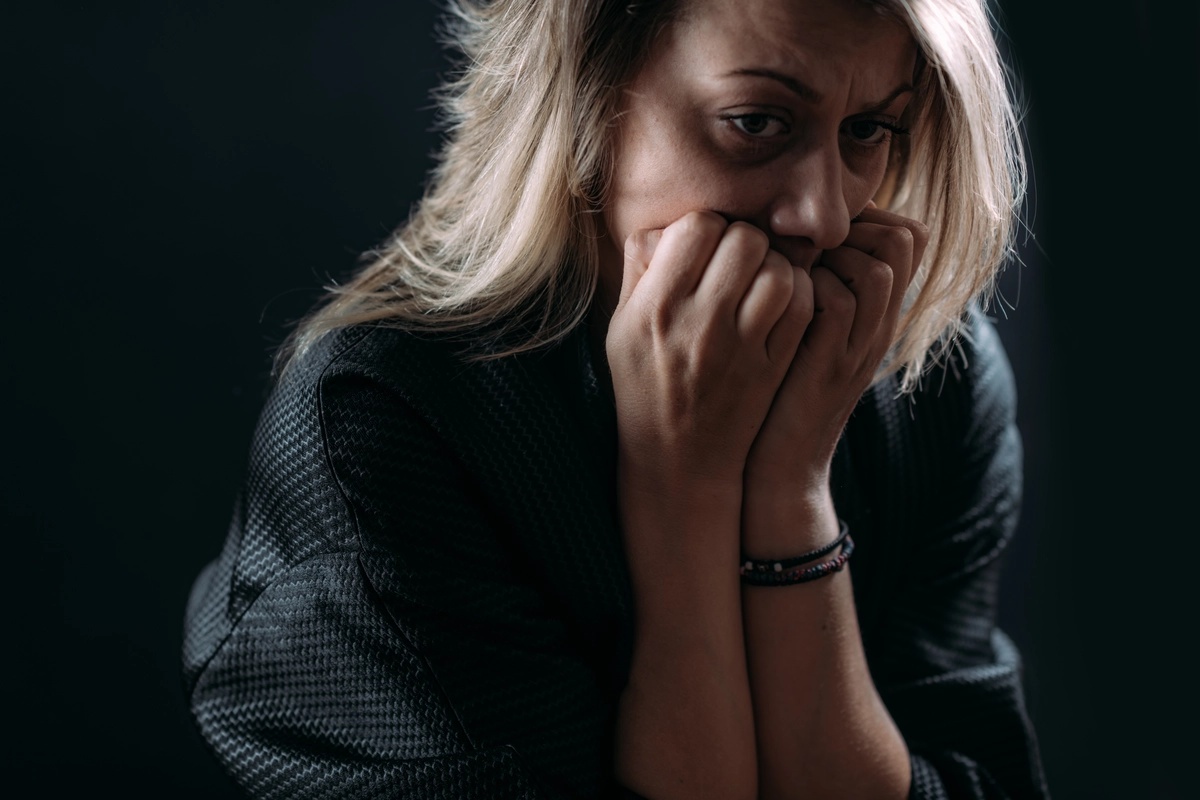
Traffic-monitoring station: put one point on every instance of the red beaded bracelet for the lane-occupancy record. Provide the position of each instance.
(801, 574)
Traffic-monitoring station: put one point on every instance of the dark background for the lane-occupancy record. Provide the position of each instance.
(181, 178)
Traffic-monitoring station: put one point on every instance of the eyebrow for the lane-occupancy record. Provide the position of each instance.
(811, 95)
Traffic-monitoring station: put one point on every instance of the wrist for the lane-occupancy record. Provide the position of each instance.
(784, 521)
(675, 514)
(682, 546)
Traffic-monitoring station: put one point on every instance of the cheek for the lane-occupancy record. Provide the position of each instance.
(654, 186)
(653, 194)
(862, 183)
(667, 164)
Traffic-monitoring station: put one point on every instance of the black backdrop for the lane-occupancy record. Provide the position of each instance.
(180, 180)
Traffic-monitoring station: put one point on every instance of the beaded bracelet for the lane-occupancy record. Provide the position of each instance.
(779, 565)
(802, 574)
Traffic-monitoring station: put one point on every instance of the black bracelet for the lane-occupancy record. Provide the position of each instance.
(750, 565)
(802, 574)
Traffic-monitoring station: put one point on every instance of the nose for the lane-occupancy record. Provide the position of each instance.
(811, 203)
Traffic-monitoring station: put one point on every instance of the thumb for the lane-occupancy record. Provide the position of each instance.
(639, 250)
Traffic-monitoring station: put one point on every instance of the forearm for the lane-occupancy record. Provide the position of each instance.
(821, 729)
(685, 723)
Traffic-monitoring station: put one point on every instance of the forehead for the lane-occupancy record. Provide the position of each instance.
(827, 41)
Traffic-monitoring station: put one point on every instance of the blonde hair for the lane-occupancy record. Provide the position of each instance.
(962, 173)
(502, 250)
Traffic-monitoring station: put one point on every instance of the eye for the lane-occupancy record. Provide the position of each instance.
(761, 126)
(872, 131)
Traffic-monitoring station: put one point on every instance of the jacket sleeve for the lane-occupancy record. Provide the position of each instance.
(414, 659)
(949, 676)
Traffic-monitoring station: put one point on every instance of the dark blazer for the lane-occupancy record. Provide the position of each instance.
(424, 594)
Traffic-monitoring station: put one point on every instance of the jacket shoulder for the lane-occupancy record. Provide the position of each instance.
(963, 402)
(289, 508)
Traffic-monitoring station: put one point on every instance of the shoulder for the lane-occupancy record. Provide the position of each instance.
(292, 504)
(967, 397)
(953, 443)
(357, 373)
(367, 350)
(973, 389)
(418, 366)
(979, 364)
(377, 394)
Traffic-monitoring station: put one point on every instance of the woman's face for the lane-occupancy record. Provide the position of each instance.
(775, 112)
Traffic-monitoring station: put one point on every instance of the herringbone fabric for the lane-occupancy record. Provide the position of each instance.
(423, 593)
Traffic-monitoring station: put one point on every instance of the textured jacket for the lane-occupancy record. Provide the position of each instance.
(424, 594)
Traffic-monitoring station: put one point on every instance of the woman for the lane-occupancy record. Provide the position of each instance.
(558, 497)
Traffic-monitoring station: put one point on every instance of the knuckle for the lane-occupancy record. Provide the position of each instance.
(701, 223)
(637, 244)
(839, 300)
(777, 260)
(776, 279)
(899, 236)
(802, 306)
(878, 275)
(841, 303)
(748, 235)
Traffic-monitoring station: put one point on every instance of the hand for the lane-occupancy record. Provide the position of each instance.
(858, 290)
(707, 325)
(707, 322)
